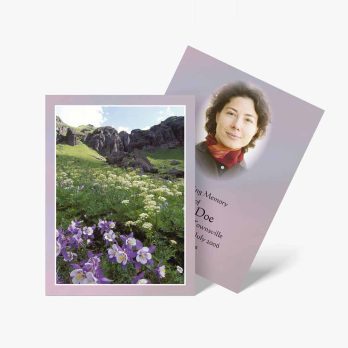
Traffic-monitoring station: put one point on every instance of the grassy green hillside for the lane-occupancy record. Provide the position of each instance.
(161, 158)
(80, 154)
(85, 128)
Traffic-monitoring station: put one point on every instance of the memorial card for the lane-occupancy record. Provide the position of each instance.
(250, 138)
(119, 195)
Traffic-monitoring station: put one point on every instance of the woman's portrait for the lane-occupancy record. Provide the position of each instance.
(236, 118)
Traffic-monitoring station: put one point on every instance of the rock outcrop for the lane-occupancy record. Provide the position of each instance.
(70, 138)
(167, 134)
(106, 141)
(66, 134)
(61, 130)
(125, 138)
(131, 160)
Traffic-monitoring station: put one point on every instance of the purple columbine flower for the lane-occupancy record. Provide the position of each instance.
(105, 225)
(68, 255)
(88, 231)
(116, 253)
(144, 255)
(60, 235)
(139, 279)
(59, 280)
(100, 276)
(76, 239)
(130, 242)
(161, 271)
(93, 263)
(58, 248)
(79, 276)
(110, 236)
(74, 227)
(89, 272)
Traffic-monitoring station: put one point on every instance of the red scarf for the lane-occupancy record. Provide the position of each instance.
(223, 154)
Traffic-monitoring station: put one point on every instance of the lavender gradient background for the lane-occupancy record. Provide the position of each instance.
(255, 196)
(114, 289)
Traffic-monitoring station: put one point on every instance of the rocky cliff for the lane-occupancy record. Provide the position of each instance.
(105, 140)
(168, 134)
(66, 134)
(122, 149)
(61, 130)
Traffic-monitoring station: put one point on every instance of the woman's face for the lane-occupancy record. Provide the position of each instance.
(236, 123)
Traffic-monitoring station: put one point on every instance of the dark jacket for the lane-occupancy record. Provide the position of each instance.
(209, 167)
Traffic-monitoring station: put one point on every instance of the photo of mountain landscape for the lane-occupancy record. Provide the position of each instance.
(120, 203)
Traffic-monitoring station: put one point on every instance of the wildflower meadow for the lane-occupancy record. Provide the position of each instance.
(117, 225)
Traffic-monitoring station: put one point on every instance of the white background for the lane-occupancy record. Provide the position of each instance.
(296, 292)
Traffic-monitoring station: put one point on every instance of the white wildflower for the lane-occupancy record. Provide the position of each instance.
(179, 269)
(147, 225)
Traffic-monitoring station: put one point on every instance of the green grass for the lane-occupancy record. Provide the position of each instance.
(161, 158)
(80, 154)
(97, 189)
(84, 129)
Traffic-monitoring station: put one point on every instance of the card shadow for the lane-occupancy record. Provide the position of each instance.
(268, 265)
(202, 284)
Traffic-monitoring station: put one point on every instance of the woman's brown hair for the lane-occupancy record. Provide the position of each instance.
(239, 89)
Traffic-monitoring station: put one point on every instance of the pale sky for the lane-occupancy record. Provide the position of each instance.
(121, 118)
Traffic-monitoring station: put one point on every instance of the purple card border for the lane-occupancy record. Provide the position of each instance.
(120, 289)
